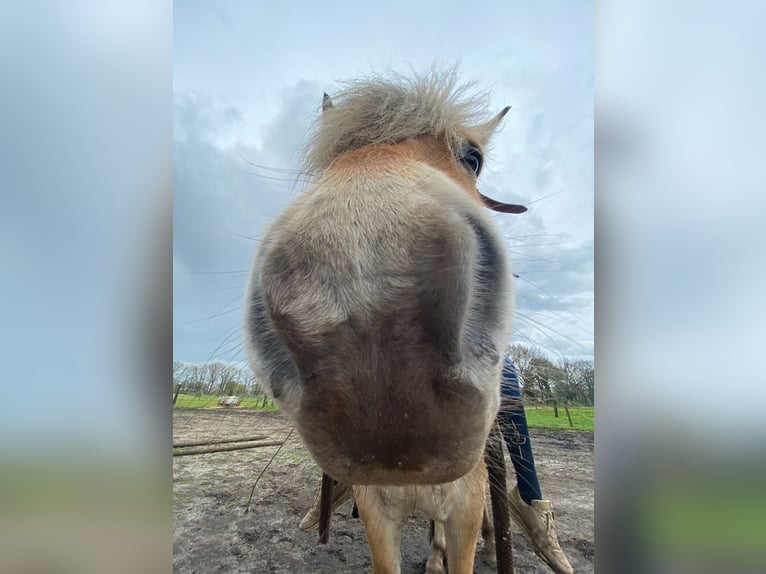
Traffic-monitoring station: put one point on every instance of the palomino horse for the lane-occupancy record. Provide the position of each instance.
(379, 302)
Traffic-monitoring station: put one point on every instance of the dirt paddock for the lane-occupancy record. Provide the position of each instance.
(212, 533)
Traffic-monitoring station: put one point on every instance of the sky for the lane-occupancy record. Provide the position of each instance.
(249, 77)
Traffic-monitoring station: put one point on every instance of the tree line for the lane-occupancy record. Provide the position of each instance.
(214, 378)
(542, 379)
(564, 380)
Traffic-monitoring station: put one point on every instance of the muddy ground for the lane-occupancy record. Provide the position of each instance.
(212, 533)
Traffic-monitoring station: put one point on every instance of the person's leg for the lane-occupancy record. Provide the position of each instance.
(528, 508)
(513, 425)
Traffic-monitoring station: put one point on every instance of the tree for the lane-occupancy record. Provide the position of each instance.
(570, 380)
(195, 377)
(178, 379)
(227, 382)
(537, 373)
(215, 377)
(179, 374)
(577, 386)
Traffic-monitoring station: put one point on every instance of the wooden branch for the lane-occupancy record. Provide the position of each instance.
(206, 442)
(227, 447)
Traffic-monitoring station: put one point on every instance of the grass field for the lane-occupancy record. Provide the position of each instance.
(542, 417)
(207, 401)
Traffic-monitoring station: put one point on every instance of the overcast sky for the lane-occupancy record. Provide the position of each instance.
(249, 77)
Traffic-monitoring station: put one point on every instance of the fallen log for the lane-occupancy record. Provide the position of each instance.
(224, 448)
(205, 442)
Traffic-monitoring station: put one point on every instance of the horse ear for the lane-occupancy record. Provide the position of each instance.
(483, 132)
(326, 103)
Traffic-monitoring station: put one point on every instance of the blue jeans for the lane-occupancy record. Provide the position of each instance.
(513, 426)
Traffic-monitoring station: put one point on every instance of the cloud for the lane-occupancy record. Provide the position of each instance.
(544, 159)
(223, 200)
(233, 175)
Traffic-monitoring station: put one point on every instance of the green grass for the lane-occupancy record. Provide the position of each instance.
(543, 417)
(208, 401)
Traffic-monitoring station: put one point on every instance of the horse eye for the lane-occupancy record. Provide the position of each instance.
(471, 158)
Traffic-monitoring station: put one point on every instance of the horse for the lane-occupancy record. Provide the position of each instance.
(379, 301)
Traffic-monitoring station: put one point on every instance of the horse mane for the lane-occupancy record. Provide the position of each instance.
(391, 108)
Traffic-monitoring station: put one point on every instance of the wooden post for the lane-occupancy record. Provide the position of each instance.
(566, 408)
(555, 408)
(325, 507)
(498, 491)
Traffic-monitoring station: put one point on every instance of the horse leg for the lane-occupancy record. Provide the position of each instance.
(435, 564)
(383, 528)
(488, 535)
(464, 521)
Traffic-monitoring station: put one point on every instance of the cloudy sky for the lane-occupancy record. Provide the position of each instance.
(249, 77)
